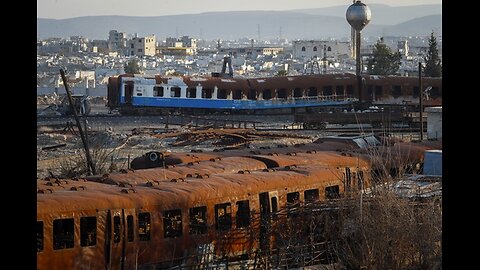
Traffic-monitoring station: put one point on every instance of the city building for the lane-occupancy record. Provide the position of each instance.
(307, 49)
(141, 46)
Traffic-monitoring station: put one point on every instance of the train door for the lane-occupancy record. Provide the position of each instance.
(120, 238)
(264, 220)
(128, 92)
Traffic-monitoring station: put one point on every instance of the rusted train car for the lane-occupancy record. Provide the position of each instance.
(91, 225)
(148, 95)
(154, 218)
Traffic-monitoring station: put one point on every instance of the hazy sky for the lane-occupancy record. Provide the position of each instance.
(60, 9)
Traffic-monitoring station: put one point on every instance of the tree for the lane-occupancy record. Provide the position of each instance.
(132, 67)
(433, 65)
(383, 61)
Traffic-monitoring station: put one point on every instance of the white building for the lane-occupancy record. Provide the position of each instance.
(141, 46)
(306, 49)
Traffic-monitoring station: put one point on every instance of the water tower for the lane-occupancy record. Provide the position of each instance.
(358, 16)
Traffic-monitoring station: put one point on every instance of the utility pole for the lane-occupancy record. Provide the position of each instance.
(90, 165)
(421, 98)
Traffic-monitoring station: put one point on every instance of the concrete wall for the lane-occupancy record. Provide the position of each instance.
(99, 91)
(434, 123)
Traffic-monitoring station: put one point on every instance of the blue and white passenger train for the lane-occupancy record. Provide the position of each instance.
(156, 94)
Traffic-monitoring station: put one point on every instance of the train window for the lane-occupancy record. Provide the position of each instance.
(378, 92)
(191, 92)
(312, 92)
(252, 94)
(339, 90)
(328, 90)
(39, 236)
(139, 94)
(175, 92)
(243, 214)
(207, 93)
(63, 233)
(282, 93)
(172, 223)
(274, 207)
(416, 92)
(397, 91)
(222, 94)
(293, 201)
(130, 235)
(144, 226)
(198, 220)
(435, 92)
(158, 91)
(88, 231)
(237, 94)
(223, 217)
(116, 229)
(267, 94)
(349, 90)
(311, 195)
(332, 192)
(297, 92)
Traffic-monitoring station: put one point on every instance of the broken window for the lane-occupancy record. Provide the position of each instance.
(198, 220)
(39, 236)
(416, 92)
(282, 93)
(350, 90)
(243, 214)
(207, 93)
(175, 92)
(116, 229)
(191, 92)
(328, 90)
(397, 91)
(312, 92)
(297, 92)
(315, 48)
(223, 217)
(332, 192)
(303, 49)
(434, 92)
(222, 94)
(311, 195)
(252, 94)
(267, 94)
(329, 49)
(63, 233)
(130, 228)
(144, 226)
(293, 199)
(172, 223)
(237, 94)
(293, 202)
(339, 90)
(88, 231)
(158, 91)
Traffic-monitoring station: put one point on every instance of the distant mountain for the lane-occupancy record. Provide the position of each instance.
(416, 27)
(229, 25)
(381, 14)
